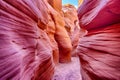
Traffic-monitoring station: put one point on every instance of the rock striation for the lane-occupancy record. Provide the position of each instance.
(60, 34)
(33, 39)
(25, 51)
(99, 49)
(38, 36)
(71, 25)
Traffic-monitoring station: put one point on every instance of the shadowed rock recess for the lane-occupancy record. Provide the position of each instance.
(43, 40)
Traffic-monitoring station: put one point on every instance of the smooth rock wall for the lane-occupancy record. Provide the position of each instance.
(99, 49)
(33, 39)
(25, 51)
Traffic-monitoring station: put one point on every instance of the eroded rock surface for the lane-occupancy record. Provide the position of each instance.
(99, 50)
(33, 39)
(61, 36)
(25, 51)
(71, 25)
(36, 34)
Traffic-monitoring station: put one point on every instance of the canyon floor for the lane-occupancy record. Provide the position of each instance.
(68, 71)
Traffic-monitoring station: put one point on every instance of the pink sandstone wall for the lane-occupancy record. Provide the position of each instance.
(99, 50)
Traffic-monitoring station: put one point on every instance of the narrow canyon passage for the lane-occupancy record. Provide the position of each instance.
(45, 40)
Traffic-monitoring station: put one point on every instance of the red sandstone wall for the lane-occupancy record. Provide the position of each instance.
(99, 50)
(25, 51)
(33, 39)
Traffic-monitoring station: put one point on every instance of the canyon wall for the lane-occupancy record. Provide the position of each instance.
(33, 39)
(71, 25)
(25, 51)
(35, 35)
(99, 49)
(60, 35)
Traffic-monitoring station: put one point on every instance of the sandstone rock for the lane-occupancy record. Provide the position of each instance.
(56, 4)
(25, 51)
(71, 25)
(90, 13)
(70, 17)
(33, 34)
(80, 2)
(63, 39)
(99, 49)
(61, 36)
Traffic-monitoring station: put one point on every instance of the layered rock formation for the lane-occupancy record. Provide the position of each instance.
(70, 17)
(37, 34)
(99, 50)
(33, 38)
(71, 25)
(25, 48)
(61, 36)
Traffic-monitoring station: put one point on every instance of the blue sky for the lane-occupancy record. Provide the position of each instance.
(74, 2)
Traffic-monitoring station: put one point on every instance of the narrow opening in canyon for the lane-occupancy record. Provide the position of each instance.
(70, 70)
(59, 40)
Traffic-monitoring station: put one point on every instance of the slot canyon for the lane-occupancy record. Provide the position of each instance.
(46, 40)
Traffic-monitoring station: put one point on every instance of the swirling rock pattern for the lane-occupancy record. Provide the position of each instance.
(99, 50)
(25, 51)
(61, 36)
(71, 25)
(33, 39)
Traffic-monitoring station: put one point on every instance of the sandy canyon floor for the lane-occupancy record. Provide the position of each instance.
(68, 71)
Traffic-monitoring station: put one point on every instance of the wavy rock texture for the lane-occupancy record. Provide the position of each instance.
(99, 50)
(70, 17)
(56, 4)
(25, 51)
(36, 34)
(61, 36)
(32, 36)
(71, 25)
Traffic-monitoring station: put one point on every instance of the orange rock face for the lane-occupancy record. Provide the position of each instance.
(99, 50)
(61, 36)
(56, 4)
(70, 17)
(71, 25)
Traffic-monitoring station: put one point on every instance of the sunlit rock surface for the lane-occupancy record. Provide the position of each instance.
(61, 36)
(80, 2)
(25, 51)
(99, 50)
(56, 4)
(70, 17)
(35, 35)
(71, 25)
